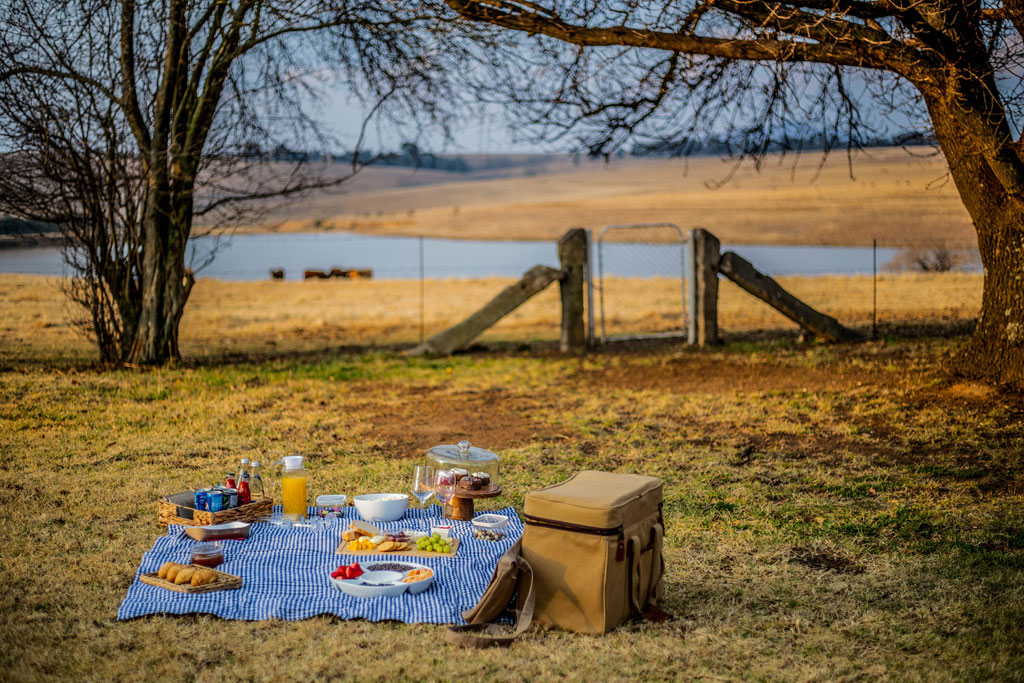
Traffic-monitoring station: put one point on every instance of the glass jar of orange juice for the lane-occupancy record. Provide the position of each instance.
(293, 486)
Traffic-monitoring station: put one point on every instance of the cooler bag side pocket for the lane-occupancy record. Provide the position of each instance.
(646, 565)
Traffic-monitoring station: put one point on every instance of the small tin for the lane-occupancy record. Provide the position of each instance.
(232, 495)
(217, 488)
(202, 500)
(216, 499)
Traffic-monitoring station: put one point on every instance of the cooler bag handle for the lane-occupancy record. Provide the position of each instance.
(634, 548)
(657, 568)
(511, 571)
(657, 562)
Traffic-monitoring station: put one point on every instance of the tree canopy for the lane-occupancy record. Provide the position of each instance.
(756, 70)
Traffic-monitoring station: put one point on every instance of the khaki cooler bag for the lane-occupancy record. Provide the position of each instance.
(594, 543)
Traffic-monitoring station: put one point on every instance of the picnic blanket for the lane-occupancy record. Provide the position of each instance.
(286, 574)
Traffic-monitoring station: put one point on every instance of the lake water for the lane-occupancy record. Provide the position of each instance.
(251, 257)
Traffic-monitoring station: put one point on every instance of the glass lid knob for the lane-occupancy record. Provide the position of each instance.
(464, 448)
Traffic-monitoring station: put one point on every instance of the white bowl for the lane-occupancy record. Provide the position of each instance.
(381, 507)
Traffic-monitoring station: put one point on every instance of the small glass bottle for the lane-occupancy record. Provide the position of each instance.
(256, 481)
(243, 467)
(244, 492)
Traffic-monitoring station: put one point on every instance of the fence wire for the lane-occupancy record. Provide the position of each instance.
(421, 286)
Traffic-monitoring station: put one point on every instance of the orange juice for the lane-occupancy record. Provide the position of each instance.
(293, 493)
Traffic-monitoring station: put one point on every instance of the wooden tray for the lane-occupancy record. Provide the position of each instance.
(413, 551)
(225, 582)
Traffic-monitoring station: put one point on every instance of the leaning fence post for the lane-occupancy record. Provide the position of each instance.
(706, 249)
(572, 254)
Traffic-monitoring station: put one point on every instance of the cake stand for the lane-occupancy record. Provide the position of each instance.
(461, 505)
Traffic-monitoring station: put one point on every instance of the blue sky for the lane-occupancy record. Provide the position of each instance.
(470, 135)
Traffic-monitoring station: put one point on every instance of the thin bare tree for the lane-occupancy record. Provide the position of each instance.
(123, 122)
(765, 74)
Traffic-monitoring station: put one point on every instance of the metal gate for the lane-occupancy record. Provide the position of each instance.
(637, 274)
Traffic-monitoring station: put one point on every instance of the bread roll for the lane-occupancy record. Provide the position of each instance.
(203, 577)
(172, 572)
(166, 567)
(185, 575)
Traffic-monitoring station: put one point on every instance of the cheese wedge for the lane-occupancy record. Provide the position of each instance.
(367, 528)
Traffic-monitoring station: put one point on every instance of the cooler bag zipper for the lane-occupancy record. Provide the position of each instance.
(620, 553)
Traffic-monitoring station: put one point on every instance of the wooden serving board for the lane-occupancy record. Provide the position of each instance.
(413, 551)
(225, 582)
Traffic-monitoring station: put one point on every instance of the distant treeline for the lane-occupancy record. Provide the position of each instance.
(409, 155)
(704, 147)
(19, 232)
(10, 225)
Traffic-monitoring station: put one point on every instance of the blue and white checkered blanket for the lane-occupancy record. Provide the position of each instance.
(286, 574)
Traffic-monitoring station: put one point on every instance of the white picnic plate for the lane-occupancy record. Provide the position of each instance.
(374, 583)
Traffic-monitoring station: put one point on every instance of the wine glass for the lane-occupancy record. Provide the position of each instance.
(444, 487)
(423, 485)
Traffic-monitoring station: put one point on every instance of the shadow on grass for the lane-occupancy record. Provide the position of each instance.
(759, 341)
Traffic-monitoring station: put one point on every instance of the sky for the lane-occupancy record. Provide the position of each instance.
(487, 134)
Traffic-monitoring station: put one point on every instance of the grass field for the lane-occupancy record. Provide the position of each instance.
(893, 196)
(876, 529)
(282, 317)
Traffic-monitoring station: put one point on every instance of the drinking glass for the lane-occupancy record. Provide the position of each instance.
(423, 485)
(444, 487)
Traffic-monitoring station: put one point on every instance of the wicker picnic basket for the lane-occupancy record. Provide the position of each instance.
(177, 509)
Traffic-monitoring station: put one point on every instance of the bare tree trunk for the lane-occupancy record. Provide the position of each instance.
(166, 286)
(996, 350)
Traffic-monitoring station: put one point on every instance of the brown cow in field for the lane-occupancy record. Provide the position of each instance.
(314, 274)
(277, 274)
(365, 273)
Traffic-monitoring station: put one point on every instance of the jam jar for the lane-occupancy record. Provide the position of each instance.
(207, 554)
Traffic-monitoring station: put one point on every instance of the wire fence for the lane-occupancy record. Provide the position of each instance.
(421, 285)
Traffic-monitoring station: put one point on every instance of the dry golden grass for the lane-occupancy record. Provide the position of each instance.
(281, 316)
(875, 530)
(893, 196)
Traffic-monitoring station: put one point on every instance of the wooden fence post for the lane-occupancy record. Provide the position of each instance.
(706, 249)
(740, 271)
(572, 254)
(459, 336)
